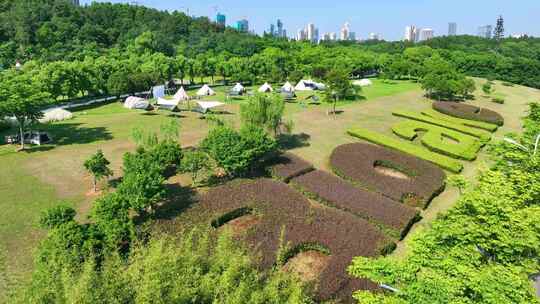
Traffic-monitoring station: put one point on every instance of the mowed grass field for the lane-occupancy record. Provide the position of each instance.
(33, 181)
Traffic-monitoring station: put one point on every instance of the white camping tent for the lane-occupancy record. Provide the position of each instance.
(303, 85)
(204, 106)
(158, 91)
(57, 114)
(181, 95)
(265, 88)
(238, 88)
(133, 102)
(205, 91)
(363, 83)
(287, 88)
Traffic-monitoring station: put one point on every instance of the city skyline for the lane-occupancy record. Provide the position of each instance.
(367, 17)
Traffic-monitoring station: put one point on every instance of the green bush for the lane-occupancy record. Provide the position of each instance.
(377, 138)
(499, 100)
(469, 123)
(167, 153)
(466, 148)
(56, 216)
(483, 136)
(239, 152)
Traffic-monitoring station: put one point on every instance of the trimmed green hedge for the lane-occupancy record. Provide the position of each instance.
(469, 123)
(482, 135)
(420, 152)
(466, 148)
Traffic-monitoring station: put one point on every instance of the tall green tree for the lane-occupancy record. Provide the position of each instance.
(265, 111)
(98, 166)
(338, 87)
(22, 97)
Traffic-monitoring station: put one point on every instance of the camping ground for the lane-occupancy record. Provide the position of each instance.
(47, 175)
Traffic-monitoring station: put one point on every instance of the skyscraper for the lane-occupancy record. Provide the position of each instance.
(272, 30)
(310, 30)
(411, 33)
(345, 30)
(374, 36)
(221, 19)
(280, 30)
(242, 25)
(352, 36)
(452, 29)
(75, 2)
(426, 34)
(301, 35)
(485, 31)
(333, 36)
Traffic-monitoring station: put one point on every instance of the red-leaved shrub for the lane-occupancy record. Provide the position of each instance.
(468, 112)
(288, 166)
(358, 163)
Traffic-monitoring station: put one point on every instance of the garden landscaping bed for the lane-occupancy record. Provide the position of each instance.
(288, 166)
(468, 112)
(390, 216)
(287, 215)
(358, 163)
(441, 140)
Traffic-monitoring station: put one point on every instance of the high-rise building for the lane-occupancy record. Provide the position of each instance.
(242, 25)
(280, 30)
(426, 34)
(284, 33)
(452, 29)
(485, 31)
(301, 35)
(310, 32)
(272, 31)
(345, 30)
(221, 19)
(333, 36)
(352, 36)
(75, 2)
(411, 33)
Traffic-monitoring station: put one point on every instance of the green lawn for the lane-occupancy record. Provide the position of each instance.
(30, 182)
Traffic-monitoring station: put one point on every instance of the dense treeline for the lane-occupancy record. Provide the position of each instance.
(481, 251)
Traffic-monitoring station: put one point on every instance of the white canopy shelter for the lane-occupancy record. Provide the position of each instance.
(238, 88)
(57, 114)
(265, 88)
(205, 91)
(363, 83)
(133, 102)
(287, 88)
(204, 106)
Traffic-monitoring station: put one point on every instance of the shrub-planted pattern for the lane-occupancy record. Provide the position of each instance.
(357, 162)
(468, 112)
(469, 123)
(338, 193)
(439, 139)
(288, 166)
(280, 207)
(377, 138)
(483, 136)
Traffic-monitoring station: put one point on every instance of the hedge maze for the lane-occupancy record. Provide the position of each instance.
(305, 227)
(420, 182)
(469, 112)
(440, 140)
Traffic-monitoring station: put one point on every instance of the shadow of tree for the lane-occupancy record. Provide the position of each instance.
(178, 199)
(69, 134)
(292, 141)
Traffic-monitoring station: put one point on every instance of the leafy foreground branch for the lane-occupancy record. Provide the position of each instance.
(193, 269)
(483, 250)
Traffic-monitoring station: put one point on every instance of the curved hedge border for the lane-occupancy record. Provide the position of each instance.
(279, 206)
(288, 165)
(469, 123)
(390, 216)
(483, 136)
(466, 148)
(356, 162)
(399, 145)
(468, 112)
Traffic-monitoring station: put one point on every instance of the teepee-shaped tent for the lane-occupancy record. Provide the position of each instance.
(304, 85)
(205, 91)
(265, 88)
(181, 95)
(287, 88)
(238, 88)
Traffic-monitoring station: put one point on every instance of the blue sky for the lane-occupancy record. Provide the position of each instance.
(387, 17)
